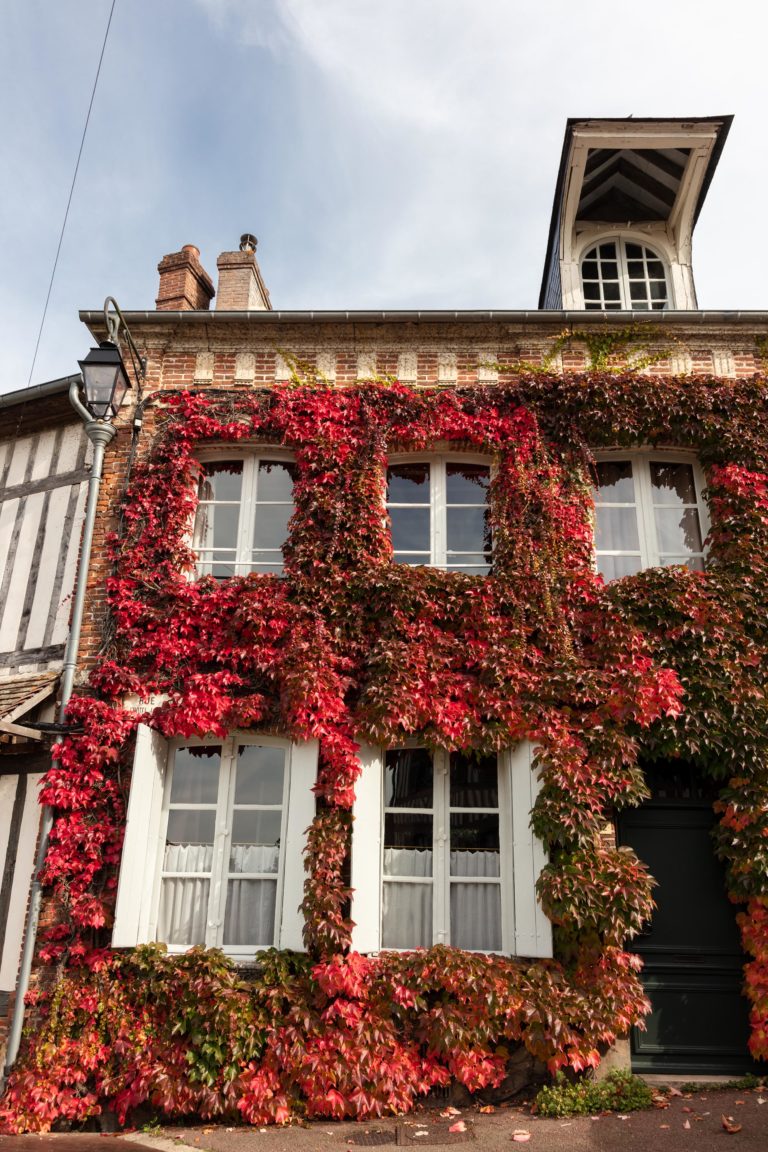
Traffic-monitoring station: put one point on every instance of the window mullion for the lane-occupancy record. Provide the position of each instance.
(219, 865)
(626, 297)
(437, 513)
(441, 849)
(247, 513)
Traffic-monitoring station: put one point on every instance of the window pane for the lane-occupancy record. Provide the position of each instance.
(474, 781)
(638, 292)
(183, 912)
(608, 251)
(190, 826)
(220, 567)
(658, 291)
(221, 480)
(678, 532)
(260, 772)
(634, 251)
(609, 270)
(195, 775)
(408, 862)
(408, 484)
(614, 567)
(407, 916)
(472, 565)
(474, 832)
(591, 291)
(408, 777)
(589, 270)
(655, 270)
(467, 529)
(256, 827)
(275, 480)
(636, 269)
(410, 529)
(270, 525)
(250, 914)
(412, 558)
(216, 525)
(611, 291)
(476, 917)
(407, 830)
(673, 483)
(467, 483)
(616, 530)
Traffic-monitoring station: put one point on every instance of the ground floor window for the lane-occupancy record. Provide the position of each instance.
(443, 853)
(214, 842)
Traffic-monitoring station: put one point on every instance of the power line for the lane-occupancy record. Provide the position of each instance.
(71, 192)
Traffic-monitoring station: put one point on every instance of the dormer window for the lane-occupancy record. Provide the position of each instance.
(621, 274)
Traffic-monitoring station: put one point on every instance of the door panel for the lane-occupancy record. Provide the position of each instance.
(692, 957)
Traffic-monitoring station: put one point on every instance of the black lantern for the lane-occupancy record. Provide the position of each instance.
(104, 380)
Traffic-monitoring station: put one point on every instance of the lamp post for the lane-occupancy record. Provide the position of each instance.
(104, 385)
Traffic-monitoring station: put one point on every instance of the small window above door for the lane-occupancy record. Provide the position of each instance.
(623, 275)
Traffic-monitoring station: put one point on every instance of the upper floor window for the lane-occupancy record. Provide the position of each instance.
(438, 509)
(649, 511)
(213, 846)
(623, 275)
(244, 505)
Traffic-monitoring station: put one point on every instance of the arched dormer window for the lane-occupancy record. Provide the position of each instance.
(619, 274)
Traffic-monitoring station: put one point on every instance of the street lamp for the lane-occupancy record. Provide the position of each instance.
(104, 384)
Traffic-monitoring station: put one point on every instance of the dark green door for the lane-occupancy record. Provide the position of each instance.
(692, 957)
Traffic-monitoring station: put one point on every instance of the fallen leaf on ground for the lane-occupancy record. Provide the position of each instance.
(761, 1100)
(686, 1109)
(660, 1102)
(622, 1117)
(686, 1123)
(674, 1091)
(487, 1108)
(450, 1111)
(420, 1134)
(738, 1102)
(521, 1135)
(663, 1125)
(730, 1124)
(459, 1126)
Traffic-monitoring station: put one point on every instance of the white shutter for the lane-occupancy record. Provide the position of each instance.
(301, 813)
(140, 846)
(532, 929)
(366, 853)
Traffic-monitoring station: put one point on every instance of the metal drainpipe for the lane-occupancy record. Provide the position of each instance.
(100, 435)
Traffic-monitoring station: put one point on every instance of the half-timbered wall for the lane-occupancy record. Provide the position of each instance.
(42, 500)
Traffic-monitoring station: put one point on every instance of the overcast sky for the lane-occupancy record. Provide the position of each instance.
(387, 153)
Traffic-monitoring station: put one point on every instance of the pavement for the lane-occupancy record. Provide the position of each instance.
(691, 1122)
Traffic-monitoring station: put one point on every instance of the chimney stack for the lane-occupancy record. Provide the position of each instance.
(241, 288)
(184, 283)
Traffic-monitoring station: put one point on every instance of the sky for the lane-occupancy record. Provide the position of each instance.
(387, 153)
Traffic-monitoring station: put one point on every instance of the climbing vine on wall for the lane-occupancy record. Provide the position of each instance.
(348, 646)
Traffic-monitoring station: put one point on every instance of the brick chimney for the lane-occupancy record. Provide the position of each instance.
(184, 283)
(241, 288)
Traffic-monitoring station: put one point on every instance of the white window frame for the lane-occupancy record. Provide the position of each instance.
(438, 504)
(138, 893)
(621, 239)
(250, 458)
(526, 931)
(641, 460)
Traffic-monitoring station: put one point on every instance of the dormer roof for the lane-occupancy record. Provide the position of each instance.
(646, 175)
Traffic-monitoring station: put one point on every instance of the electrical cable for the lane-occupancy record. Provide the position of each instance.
(71, 192)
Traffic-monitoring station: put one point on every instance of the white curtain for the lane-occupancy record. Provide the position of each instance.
(407, 908)
(250, 909)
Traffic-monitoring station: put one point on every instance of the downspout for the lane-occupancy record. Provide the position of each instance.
(100, 434)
